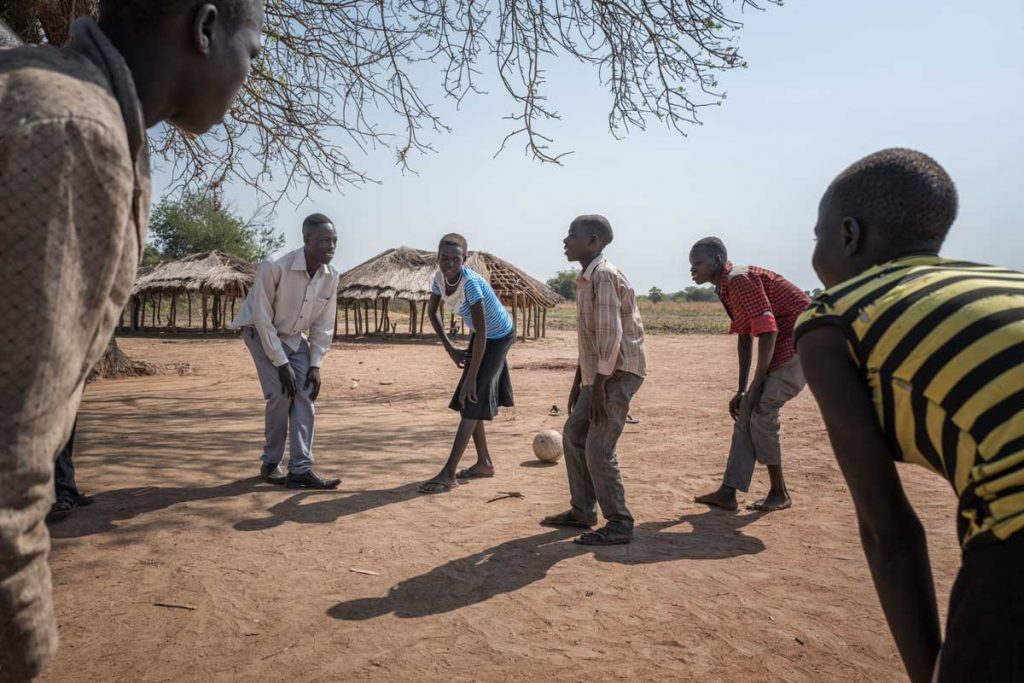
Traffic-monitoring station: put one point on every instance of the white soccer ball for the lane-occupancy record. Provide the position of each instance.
(547, 445)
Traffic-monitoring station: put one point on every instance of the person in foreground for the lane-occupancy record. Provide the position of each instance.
(917, 358)
(291, 296)
(764, 305)
(74, 208)
(611, 367)
(485, 384)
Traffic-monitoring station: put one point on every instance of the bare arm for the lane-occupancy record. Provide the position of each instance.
(433, 312)
(891, 534)
(744, 350)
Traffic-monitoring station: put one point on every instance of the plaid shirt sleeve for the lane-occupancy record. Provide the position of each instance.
(748, 297)
(607, 322)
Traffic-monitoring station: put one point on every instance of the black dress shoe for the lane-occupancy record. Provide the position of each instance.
(272, 473)
(310, 480)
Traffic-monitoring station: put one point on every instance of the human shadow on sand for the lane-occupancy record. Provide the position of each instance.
(510, 566)
(109, 507)
(327, 509)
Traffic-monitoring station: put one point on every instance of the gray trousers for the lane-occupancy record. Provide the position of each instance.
(284, 417)
(755, 436)
(590, 457)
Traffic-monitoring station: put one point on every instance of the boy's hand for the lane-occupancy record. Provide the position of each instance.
(734, 404)
(599, 401)
(287, 376)
(313, 380)
(468, 392)
(753, 397)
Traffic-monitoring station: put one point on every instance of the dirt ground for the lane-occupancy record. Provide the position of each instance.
(464, 586)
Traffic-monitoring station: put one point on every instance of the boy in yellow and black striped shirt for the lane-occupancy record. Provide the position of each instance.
(917, 358)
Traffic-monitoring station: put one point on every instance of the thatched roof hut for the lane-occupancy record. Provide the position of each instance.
(210, 275)
(405, 273)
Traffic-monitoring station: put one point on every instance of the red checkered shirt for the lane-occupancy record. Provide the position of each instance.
(759, 301)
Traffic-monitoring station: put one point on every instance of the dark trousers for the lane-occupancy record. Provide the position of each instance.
(64, 471)
(591, 461)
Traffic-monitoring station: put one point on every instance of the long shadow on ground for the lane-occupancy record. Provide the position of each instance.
(512, 565)
(114, 506)
(327, 509)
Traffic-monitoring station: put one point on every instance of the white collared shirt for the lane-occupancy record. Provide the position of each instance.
(285, 303)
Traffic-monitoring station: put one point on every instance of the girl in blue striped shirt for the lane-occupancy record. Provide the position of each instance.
(485, 384)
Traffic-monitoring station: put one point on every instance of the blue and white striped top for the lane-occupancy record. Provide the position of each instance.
(476, 288)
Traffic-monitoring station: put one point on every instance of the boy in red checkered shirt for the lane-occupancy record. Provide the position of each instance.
(765, 305)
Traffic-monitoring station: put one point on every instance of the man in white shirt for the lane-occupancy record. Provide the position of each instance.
(291, 296)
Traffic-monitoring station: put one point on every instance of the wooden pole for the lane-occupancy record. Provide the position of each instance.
(345, 306)
(335, 322)
(423, 315)
(204, 310)
(366, 315)
(536, 321)
(190, 309)
(544, 324)
(170, 315)
(515, 308)
(376, 321)
(412, 318)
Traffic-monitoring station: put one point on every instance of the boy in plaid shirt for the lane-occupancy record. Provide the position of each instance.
(612, 365)
(765, 305)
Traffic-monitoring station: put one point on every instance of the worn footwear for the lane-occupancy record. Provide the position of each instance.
(605, 536)
(310, 480)
(65, 506)
(567, 518)
(272, 473)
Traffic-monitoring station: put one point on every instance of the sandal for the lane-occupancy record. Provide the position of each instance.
(60, 509)
(604, 536)
(468, 473)
(433, 486)
(566, 518)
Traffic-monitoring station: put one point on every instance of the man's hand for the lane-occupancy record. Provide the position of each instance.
(468, 392)
(459, 356)
(287, 375)
(598, 401)
(313, 380)
(734, 404)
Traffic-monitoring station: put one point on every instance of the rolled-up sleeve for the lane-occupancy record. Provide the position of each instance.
(321, 330)
(749, 293)
(261, 297)
(607, 322)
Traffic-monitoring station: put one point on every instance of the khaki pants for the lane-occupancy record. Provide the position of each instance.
(755, 436)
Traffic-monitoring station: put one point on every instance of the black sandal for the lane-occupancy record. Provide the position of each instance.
(566, 518)
(604, 536)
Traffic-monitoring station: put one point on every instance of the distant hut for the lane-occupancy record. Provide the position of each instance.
(214, 280)
(405, 274)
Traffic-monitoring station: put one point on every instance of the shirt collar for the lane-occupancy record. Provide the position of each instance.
(299, 262)
(88, 40)
(723, 283)
(589, 272)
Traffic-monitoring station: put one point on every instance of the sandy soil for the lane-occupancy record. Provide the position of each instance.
(464, 586)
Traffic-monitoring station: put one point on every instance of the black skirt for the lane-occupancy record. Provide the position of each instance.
(493, 382)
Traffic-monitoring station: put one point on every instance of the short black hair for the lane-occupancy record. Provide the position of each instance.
(903, 192)
(313, 221)
(711, 246)
(454, 239)
(147, 11)
(595, 225)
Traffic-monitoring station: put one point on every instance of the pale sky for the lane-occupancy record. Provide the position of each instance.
(828, 82)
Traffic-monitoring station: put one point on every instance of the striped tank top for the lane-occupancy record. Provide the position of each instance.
(941, 346)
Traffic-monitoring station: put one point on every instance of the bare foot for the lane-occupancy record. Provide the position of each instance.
(772, 502)
(723, 498)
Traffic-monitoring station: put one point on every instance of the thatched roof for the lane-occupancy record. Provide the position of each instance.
(406, 273)
(212, 271)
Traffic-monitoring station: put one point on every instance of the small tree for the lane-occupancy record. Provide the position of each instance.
(198, 222)
(655, 295)
(564, 282)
